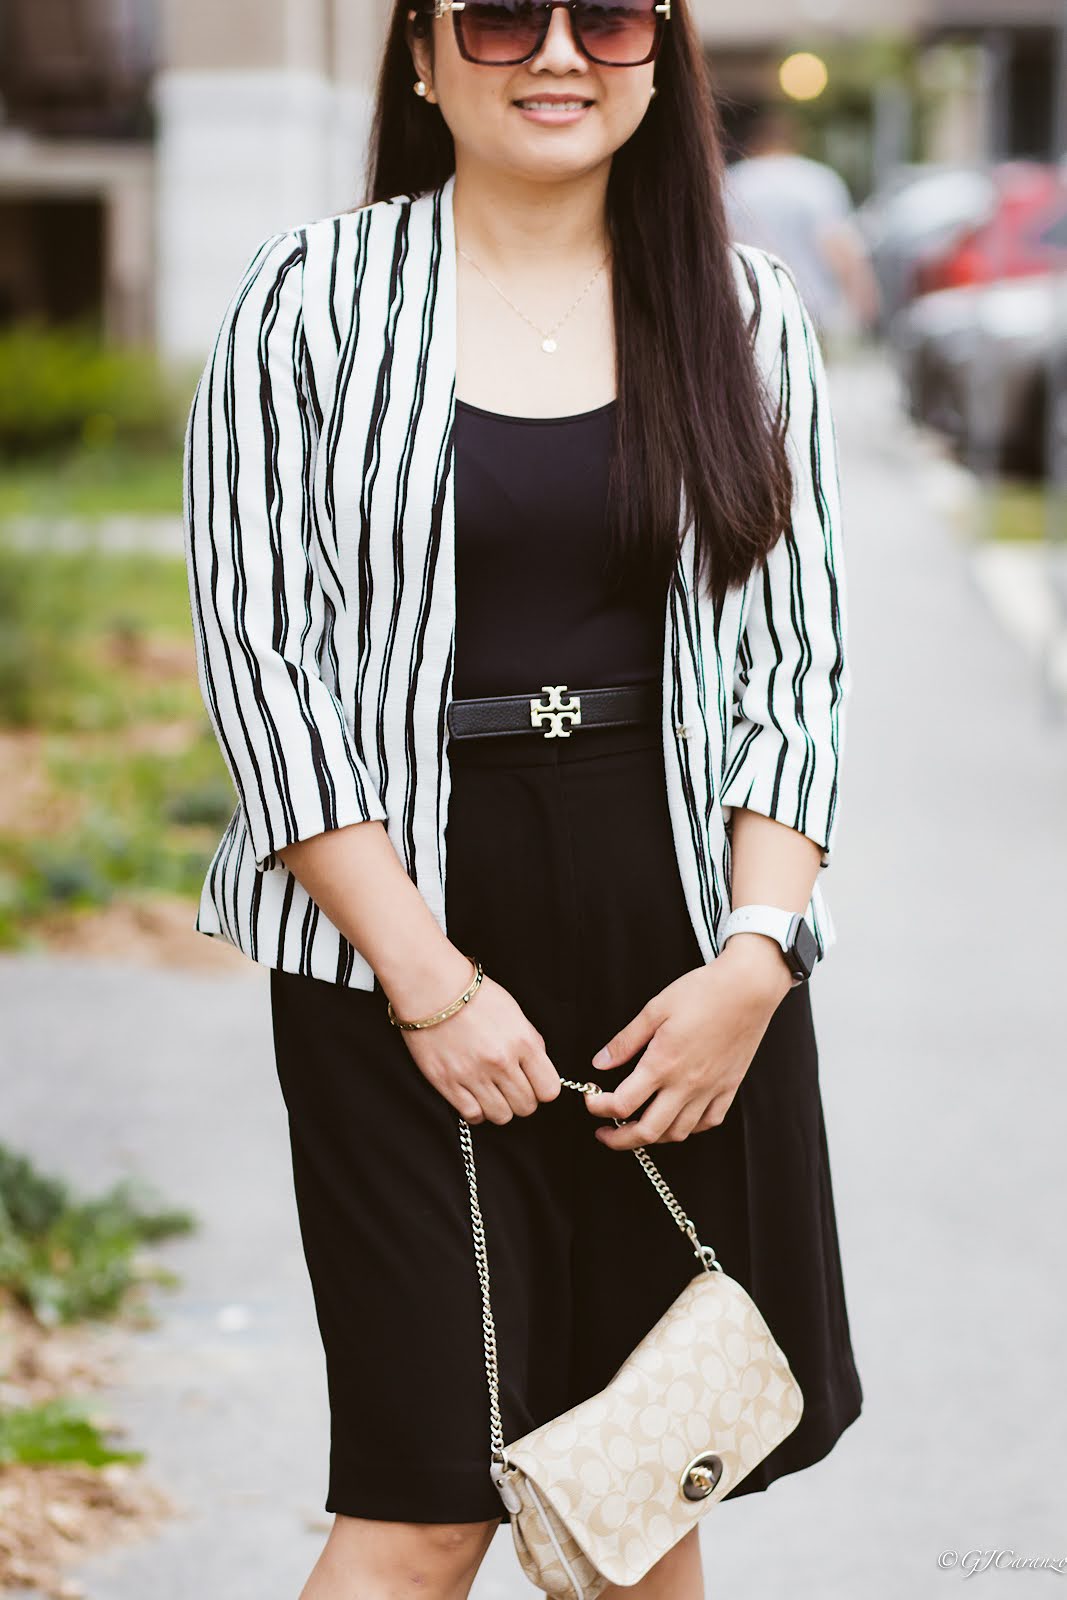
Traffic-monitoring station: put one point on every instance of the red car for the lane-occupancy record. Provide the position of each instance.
(1025, 237)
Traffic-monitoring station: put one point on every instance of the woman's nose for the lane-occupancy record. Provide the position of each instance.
(560, 46)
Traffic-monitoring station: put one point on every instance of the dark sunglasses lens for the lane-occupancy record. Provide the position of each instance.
(496, 32)
(619, 35)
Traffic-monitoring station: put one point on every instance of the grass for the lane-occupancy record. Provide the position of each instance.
(1020, 512)
(99, 703)
(65, 1258)
(148, 823)
(79, 633)
(93, 483)
(57, 1431)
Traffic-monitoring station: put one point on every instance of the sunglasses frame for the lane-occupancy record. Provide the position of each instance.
(661, 15)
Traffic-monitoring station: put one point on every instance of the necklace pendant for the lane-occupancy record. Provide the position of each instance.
(548, 346)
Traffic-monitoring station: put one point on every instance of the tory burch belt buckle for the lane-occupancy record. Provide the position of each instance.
(555, 710)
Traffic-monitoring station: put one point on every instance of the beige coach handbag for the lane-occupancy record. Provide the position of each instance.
(600, 1493)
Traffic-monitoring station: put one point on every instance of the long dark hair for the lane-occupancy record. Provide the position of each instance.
(692, 410)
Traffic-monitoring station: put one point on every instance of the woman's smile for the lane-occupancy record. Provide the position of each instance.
(553, 108)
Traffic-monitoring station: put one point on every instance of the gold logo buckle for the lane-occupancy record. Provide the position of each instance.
(555, 711)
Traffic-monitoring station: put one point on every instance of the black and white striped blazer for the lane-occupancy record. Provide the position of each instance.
(319, 535)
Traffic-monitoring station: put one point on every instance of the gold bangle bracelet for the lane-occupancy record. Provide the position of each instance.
(439, 1016)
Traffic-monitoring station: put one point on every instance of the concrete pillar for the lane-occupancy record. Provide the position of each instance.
(357, 35)
(130, 279)
(248, 118)
(955, 80)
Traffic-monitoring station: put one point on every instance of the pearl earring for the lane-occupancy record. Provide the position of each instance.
(652, 92)
(420, 87)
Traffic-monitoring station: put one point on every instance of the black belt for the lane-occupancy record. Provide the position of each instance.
(555, 712)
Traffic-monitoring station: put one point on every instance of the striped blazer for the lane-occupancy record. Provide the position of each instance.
(319, 537)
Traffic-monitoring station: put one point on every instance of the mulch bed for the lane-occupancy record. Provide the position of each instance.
(55, 1516)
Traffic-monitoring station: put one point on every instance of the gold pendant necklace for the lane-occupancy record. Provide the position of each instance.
(548, 341)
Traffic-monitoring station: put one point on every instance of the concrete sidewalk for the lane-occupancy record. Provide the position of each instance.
(944, 1083)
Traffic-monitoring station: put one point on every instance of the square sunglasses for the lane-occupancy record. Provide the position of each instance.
(505, 33)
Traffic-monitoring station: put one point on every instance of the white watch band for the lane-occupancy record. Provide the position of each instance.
(771, 920)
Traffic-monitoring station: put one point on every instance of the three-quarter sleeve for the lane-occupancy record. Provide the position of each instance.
(264, 597)
(792, 677)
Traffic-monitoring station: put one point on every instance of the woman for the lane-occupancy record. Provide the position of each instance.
(514, 547)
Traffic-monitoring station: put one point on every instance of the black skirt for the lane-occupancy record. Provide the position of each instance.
(561, 878)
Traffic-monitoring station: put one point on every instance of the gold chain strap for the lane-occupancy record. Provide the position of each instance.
(704, 1252)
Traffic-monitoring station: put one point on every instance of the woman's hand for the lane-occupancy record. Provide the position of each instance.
(487, 1059)
(701, 1033)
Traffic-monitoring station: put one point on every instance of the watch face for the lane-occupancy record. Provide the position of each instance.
(804, 949)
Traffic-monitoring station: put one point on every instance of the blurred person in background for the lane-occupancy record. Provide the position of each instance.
(801, 210)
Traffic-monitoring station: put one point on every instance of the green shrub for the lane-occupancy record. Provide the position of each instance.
(64, 388)
(82, 874)
(42, 614)
(59, 1430)
(68, 618)
(66, 1258)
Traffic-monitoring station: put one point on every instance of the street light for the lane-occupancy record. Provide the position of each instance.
(803, 76)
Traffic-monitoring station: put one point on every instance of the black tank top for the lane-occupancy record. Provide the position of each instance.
(532, 603)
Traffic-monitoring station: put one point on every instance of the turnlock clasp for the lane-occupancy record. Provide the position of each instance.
(701, 1476)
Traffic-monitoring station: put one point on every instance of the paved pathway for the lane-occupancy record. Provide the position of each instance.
(943, 1063)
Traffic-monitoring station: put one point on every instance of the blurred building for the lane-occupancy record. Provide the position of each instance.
(1019, 48)
(263, 108)
(146, 145)
(998, 66)
(77, 161)
(745, 43)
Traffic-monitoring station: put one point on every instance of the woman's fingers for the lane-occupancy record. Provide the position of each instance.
(627, 1096)
(527, 1078)
(464, 1102)
(689, 1120)
(542, 1075)
(649, 1127)
(716, 1111)
(490, 1062)
(493, 1102)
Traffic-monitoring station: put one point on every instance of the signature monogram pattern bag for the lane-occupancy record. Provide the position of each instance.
(600, 1493)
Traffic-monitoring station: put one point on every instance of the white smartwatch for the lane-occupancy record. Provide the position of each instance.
(788, 928)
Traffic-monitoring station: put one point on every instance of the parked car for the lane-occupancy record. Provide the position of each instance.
(986, 365)
(1024, 236)
(919, 212)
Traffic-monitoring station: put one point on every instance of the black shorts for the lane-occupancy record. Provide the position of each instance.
(561, 877)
